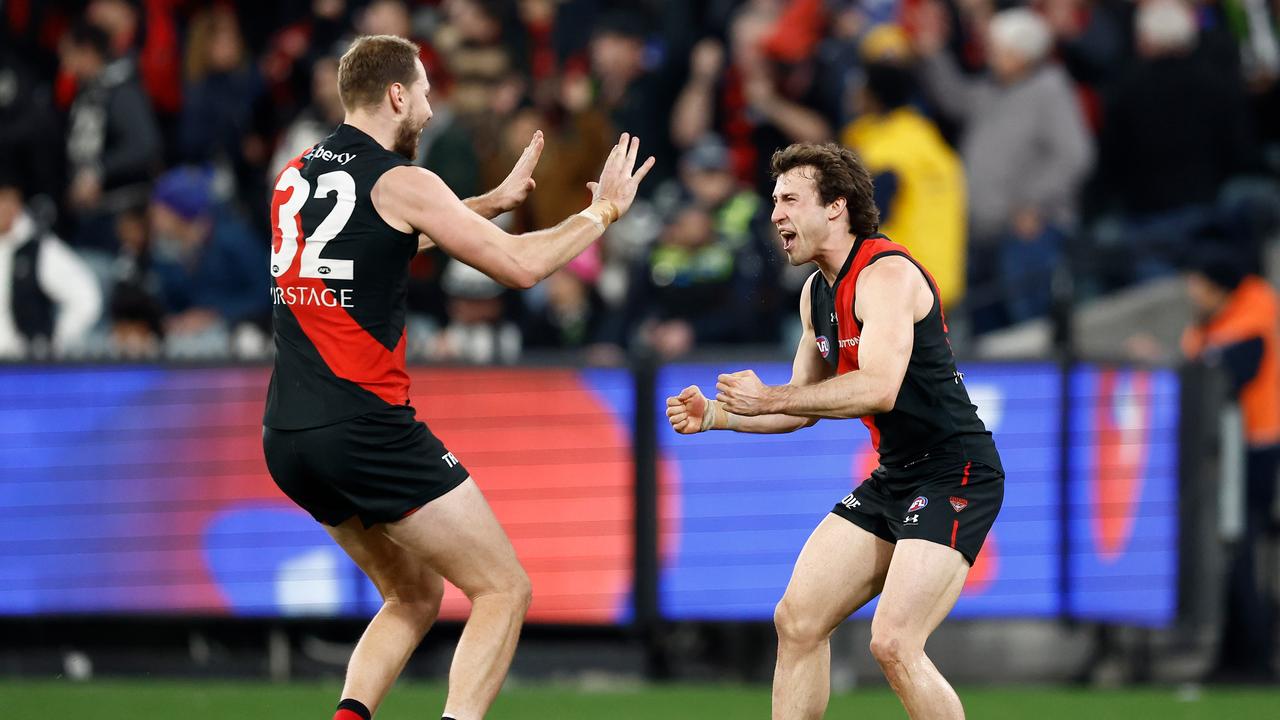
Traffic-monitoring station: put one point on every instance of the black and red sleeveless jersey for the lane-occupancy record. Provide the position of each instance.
(339, 277)
(932, 409)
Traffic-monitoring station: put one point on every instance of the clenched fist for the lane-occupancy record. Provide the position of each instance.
(688, 411)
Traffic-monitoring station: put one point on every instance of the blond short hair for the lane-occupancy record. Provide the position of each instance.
(372, 63)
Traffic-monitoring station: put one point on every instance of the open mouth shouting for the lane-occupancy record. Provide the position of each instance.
(788, 238)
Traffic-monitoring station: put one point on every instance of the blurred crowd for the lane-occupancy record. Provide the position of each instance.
(1008, 141)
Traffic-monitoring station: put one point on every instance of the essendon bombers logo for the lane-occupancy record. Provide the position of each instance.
(824, 345)
(959, 503)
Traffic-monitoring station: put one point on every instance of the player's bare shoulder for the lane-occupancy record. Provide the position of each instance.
(401, 190)
(894, 278)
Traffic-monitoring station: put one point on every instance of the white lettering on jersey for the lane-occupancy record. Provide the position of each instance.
(324, 297)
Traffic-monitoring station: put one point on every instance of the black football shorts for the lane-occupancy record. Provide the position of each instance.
(942, 498)
(379, 467)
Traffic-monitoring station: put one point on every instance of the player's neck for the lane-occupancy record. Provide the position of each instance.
(833, 252)
(382, 130)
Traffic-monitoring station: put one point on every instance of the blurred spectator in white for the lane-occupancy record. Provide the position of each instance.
(1026, 152)
(211, 267)
(220, 91)
(687, 291)
(49, 298)
(318, 119)
(113, 144)
(1176, 130)
(919, 181)
(478, 330)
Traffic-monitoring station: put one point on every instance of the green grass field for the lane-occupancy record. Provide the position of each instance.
(109, 700)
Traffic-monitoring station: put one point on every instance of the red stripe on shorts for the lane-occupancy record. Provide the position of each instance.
(965, 480)
(955, 526)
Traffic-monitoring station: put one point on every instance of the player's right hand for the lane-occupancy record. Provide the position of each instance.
(619, 178)
(687, 410)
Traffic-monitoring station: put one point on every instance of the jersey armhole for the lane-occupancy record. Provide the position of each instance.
(935, 308)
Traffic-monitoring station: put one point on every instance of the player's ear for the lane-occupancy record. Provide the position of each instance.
(835, 207)
(397, 92)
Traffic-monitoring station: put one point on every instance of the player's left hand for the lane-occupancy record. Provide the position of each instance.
(743, 393)
(513, 191)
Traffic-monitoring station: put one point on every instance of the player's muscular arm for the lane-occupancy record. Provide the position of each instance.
(691, 412)
(892, 296)
(411, 198)
(509, 195)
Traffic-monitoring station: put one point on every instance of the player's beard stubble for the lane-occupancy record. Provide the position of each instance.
(407, 136)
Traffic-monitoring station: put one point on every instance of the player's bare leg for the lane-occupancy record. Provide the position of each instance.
(458, 537)
(411, 593)
(840, 569)
(923, 583)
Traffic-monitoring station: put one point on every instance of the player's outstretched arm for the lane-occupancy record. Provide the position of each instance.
(508, 195)
(411, 198)
(691, 412)
(888, 295)
(511, 193)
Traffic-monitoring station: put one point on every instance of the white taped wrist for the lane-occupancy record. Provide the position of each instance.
(710, 417)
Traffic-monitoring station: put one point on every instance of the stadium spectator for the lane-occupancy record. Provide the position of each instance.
(1176, 130)
(31, 139)
(135, 312)
(221, 89)
(632, 83)
(210, 265)
(572, 315)
(1237, 328)
(756, 102)
(317, 120)
(741, 219)
(478, 330)
(113, 144)
(49, 299)
(577, 135)
(1026, 152)
(687, 290)
(147, 34)
(919, 181)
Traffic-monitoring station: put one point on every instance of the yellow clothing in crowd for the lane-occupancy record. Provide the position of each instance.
(927, 213)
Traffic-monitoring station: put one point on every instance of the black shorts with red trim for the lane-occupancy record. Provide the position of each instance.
(379, 467)
(942, 497)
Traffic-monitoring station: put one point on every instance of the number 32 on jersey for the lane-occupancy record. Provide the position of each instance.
(312, 265)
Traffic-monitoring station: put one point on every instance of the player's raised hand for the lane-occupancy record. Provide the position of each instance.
(687, 411)
(742, 393)
(519, 183)
(619, 179)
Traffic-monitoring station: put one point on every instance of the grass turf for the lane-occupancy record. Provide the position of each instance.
(112, 699)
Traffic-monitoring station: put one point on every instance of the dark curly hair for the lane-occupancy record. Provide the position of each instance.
(838, 173)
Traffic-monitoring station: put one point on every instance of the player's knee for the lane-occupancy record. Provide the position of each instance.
(795, 626)
(421, 604)
(892, 649)
(522, 591)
